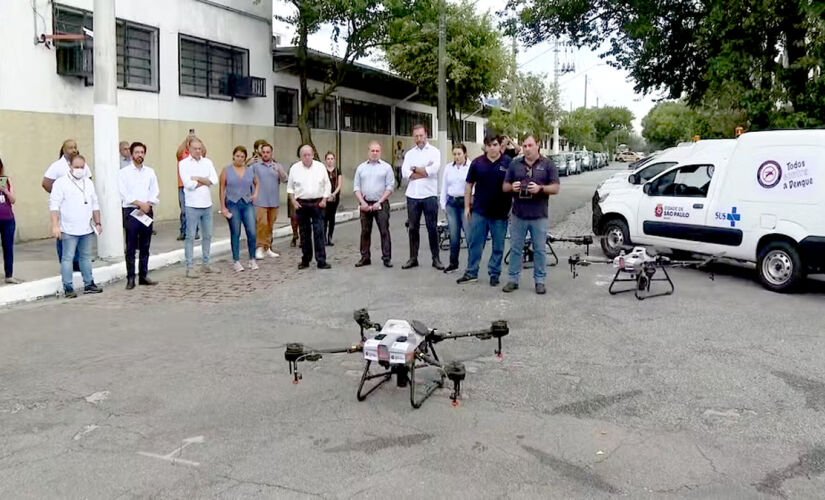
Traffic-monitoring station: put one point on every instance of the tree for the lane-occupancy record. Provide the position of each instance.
(669, 123)
(769, 53)
(597, 129)
(534, 110)
(477, 60)
(362, 26)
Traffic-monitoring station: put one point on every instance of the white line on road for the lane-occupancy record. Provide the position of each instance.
(170, 457)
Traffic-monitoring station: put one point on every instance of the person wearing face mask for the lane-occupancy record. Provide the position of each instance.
(198, 175)
(75, 216)
(58, 169)
(451, 200)
(270, 175)
(238, 192)
(138, 187)
(336, 180)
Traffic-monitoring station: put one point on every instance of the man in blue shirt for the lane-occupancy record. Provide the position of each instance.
(373, 184)
(531, 179)
(489, 211)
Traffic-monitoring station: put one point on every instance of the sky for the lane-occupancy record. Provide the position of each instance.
(606, 85)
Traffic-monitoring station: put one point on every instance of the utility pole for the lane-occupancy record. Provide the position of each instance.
(107, 164)
(585, 91)
(556, 89)
(442, 82)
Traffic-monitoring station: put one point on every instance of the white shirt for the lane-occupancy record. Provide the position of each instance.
(75, 200)
(306, 183)
(428, 157)
(197, 195)
(139, 184)
(454, 182)
(60, 167)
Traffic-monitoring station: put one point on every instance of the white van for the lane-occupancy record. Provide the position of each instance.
(766, 205)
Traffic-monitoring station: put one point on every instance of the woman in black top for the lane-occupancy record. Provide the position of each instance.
(335, 180)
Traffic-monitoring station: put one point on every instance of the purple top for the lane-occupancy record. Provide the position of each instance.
(6, 213)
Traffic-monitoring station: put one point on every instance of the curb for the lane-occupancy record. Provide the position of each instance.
(53, 286)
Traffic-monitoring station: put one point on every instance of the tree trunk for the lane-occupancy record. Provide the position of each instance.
(795, 76)
(303, 117)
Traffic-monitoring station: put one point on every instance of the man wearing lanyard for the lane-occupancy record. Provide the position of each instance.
(75, 216)
(373, 185)
(308, 188)
(532, 179)
(138, 186)
(421, 165)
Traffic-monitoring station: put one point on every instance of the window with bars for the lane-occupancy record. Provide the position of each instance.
(405, 119)
(323, 115)
(465, 128)
(205, 67)
(286, 106)
(365, 117)
(470, 131)
(137, 47)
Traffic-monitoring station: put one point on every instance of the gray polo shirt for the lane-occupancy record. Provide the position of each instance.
(269, 183)
(373, 178)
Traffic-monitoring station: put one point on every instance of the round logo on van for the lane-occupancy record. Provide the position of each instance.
(769, 174)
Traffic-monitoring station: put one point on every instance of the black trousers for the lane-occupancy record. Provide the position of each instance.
(138, 239)
(429, 207)
(329, 217)
(311, 227)
(382, 220)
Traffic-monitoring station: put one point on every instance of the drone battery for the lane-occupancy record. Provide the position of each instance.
(402, 351)
(371, 348)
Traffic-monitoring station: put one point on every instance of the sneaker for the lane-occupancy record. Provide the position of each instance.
(541, 289)
(494, 281)
(11, 280)
(92, 289)
(509, 287)
(466, 279)
(387, 263)
(253, 264)
(70, 294)
(207, 269)
(237, 267)
(181, 237)
(259, 253)
(191, 273)
(270, 253)
(451, 268)
(410, 264)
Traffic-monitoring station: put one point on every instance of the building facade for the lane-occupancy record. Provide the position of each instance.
(207, 65)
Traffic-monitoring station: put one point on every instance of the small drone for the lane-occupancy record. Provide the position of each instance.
(527, 256)
(400, 348)
(640, 268)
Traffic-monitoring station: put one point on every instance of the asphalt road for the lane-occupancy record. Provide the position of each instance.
(181, 390)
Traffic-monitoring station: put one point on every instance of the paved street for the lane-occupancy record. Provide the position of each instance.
(181, 390)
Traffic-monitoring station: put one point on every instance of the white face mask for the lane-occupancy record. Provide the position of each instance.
(78, 173)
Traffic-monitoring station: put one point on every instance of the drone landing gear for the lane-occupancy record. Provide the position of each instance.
(429, 388)
(643, 281)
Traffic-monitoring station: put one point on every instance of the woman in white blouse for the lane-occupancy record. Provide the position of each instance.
(452, 201)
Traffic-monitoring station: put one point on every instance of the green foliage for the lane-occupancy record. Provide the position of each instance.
(597, 129)
(477, 60)
(671, 122)
(535, 109)
(768, 55)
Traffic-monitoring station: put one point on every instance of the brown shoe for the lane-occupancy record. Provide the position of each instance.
(362, 263)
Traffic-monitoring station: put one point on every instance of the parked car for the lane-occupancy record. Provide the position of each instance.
(629, 156)
(761, 205)
(561, 163)
(572, 165)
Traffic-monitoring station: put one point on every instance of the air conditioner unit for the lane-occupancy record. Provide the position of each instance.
(75, 61)
(242, 87)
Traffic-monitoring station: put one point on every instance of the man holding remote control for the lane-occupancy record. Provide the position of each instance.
(531, 178)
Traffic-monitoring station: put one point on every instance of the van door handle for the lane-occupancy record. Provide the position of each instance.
(698, 205)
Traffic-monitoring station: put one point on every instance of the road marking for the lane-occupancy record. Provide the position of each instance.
(86, 429)
(97, 397)
(170, 457)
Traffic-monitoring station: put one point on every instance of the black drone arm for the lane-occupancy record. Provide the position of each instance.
(296, 352)
(497, 330)
(577, 260)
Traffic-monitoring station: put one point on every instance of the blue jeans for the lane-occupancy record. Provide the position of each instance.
(456, 222)
(198, 218)
(82, 246)
(242, 212)
(480, 226)
(538, 234)
(182, 205)
(7, 236)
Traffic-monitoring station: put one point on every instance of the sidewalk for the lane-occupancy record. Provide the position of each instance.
(36, 261)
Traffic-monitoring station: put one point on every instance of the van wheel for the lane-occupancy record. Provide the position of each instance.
(780, 267)
(616, 236)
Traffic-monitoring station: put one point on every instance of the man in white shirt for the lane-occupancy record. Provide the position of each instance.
(75, 216)
(197, 174)
(308, 188)
(57, 169)
(138, 187)
(421, 165)
(125, 154)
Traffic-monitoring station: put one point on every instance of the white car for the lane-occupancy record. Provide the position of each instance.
(765, 204)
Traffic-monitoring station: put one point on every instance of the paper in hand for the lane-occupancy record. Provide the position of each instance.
(143, 218)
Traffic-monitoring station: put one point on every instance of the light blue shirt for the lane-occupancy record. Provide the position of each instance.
(373, 179)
